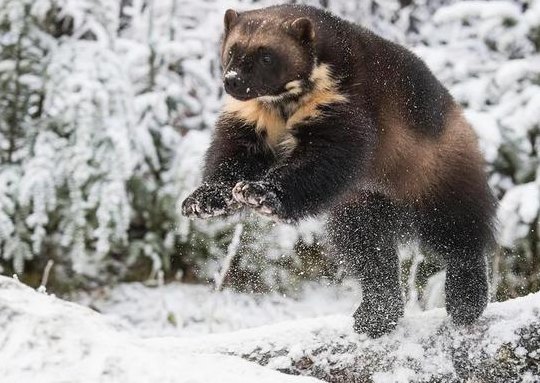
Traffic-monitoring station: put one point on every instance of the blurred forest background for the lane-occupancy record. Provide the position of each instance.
(107, 106)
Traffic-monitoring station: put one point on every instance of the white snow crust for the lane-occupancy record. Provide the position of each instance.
(45, 339)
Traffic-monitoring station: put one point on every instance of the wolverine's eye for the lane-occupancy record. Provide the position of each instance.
(267, 59)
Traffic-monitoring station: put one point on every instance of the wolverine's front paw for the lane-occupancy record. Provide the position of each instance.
(209, 200)
(260, 196)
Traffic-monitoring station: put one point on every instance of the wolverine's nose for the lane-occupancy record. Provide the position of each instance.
(236, 86)
(232, 84)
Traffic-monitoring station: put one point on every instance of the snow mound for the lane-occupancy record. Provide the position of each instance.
(45, 339)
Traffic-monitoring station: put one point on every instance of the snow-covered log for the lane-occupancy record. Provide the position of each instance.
(503, 347)
(45, 339)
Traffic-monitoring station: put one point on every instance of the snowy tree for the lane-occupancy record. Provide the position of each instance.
(106, 109)
(24, 47)
(168, 101)
(65, 131)
(89, 108)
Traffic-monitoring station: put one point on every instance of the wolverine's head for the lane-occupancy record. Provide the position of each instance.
(266, 56)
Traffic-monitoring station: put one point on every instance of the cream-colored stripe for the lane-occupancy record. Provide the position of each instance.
(266, 116)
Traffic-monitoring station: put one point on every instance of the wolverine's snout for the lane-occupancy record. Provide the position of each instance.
(236, 86)
(232, 84)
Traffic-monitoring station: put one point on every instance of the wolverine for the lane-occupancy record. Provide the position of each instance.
(324, 116)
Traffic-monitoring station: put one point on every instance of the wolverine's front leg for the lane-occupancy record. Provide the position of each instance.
(328, 157)
(236, 153)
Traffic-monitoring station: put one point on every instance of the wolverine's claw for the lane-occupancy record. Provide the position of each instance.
(258, 196)
(209, 201)
(251, 194)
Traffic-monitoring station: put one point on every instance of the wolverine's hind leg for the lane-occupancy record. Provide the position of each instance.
(364, 234)
(459, 229)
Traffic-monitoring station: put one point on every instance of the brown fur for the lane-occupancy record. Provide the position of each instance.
(382, 148)
(409, 166)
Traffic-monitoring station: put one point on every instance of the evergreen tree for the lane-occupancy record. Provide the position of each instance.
(106, 109)
(24, 49)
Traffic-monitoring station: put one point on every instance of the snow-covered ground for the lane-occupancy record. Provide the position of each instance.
(45, 339)
(481, 50)
(178, 309)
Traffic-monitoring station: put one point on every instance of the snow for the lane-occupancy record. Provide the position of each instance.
(482, 9)
(488, 133)
(517, 210)
(181, 310)
(411, 345)
(47, 340)
(111, 114)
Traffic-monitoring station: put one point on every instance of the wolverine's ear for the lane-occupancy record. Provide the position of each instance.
(231, 16)
(302, 28)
